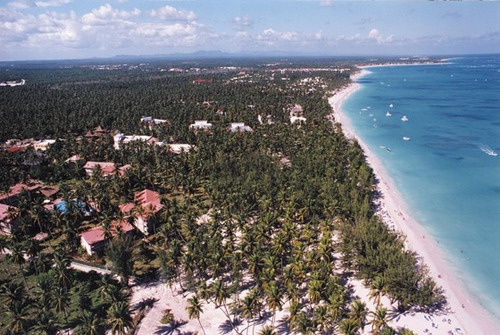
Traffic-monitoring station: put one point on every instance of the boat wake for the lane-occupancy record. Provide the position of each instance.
(487, 150)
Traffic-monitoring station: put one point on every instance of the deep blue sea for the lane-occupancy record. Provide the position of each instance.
(446, 168)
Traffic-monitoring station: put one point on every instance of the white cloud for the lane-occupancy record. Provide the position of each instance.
(106, 15)
(52, 3)
(270, 36)
(104, 28)
(171, 13)
(242, 22)
(375, 35)
(326, 3)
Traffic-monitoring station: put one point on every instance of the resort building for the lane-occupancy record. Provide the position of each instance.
(200, 125)
(107, 168)
(12, 196)
(43, 145)
(95, 134)
(73, 159)
(239, 127)
(121, 139)
(5, 217)
(95, 240)
(151, 120)
(297, 114)
(146, 205)
(179, 148)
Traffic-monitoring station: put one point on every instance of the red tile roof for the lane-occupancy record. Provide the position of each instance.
(147, 196)
(49, 191)
(107, 168)
(147, 199)
(96, 234)
(18, 188)
(4, 212)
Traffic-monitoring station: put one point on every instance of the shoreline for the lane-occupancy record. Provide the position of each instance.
(463, 314)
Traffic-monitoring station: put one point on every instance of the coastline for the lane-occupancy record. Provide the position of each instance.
(464, 314)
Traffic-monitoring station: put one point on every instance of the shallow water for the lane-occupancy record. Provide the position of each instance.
(443, 159)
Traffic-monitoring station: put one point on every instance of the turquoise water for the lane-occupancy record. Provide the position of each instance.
(447, 170)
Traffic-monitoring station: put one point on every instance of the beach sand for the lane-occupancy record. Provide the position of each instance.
(463, 315)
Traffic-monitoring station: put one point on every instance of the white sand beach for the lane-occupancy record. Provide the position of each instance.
(464, 315)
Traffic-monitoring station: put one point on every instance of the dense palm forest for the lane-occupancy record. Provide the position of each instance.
(287, 204)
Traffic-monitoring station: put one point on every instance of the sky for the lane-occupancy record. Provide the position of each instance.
(74, 29)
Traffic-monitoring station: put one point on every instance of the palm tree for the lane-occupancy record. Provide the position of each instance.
(120, 254)
(18, 316)
(119, 318)
(247, 308)
(62, 272)
(219, 291)
(267, 330)
(12, 292)
(303, 324)
(314, 290)
(89, 323)
(273, 297)
(377, 289)
(61, 301)
(45, 323)
(194, 309)
(380, 319)
(294, 309)
(348, 327)
(358, 313)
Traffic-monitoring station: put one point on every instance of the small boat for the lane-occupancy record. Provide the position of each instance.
(388, 149)
(404, 118)
(388, 114)
(406, 138)
(391, 105)
(487, 150)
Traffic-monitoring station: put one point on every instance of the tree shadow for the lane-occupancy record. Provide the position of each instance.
(283, 327)
(226, 327)
(264, 317)
(146, 303)
(172, 328)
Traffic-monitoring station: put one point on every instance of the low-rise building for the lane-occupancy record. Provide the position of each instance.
(5, 218)
(152, 120)
(200, 125)
(107, 168)
(177, 148)
(12, 196)
(239, 127)
(146, 205)
(95, 240)
(121, 139)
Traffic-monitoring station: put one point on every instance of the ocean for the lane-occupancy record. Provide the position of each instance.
(436, 129)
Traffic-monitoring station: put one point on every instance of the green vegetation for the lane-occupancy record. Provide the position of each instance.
(287, 204)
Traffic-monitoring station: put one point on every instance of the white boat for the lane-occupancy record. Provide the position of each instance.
(404, 118)
(406, 138)
(388, 114)
(487, 150)
(391, 105)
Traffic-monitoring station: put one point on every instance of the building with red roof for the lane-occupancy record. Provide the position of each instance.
(95, 240)
(12, 196)
(107, 168)
(5, 218)
(146, 205)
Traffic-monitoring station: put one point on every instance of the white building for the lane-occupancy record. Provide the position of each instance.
(239, 127)
(200, 125)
